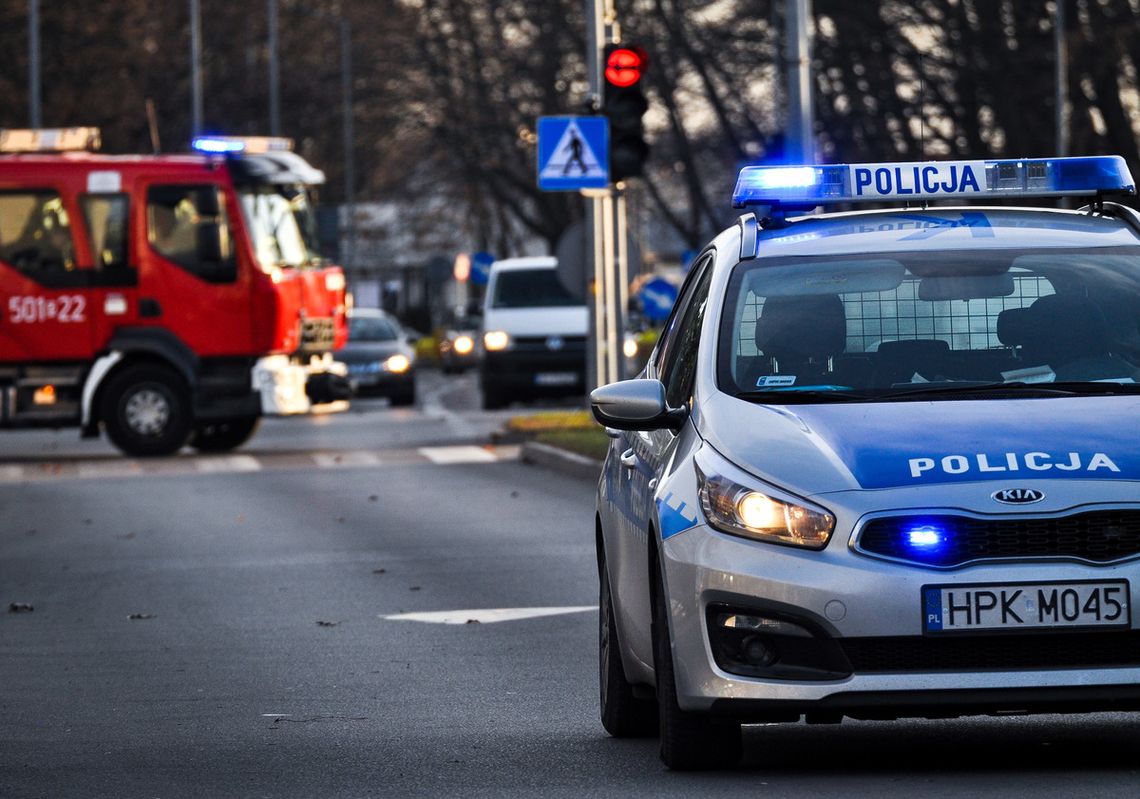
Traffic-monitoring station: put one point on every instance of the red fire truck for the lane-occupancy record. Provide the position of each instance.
(165, 299)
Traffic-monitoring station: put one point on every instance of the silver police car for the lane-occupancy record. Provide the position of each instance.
(881, 464)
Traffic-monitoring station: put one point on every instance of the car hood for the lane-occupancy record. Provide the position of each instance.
(564, 321)
(357, 351)
(816, 449)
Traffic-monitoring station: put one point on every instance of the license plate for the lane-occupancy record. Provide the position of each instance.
(556, 378)
(363, 368)
(1025, 606)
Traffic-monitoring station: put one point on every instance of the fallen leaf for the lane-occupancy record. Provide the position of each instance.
(472, 621)
(414, 588)
(327, 623)
(379, 571)
(140, 616)
(20, 607)
(373, 497)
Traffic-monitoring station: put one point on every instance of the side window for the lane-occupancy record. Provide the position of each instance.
(35, 235)
(680, 363)
(669, 332)
(189, 226)
(106, 216)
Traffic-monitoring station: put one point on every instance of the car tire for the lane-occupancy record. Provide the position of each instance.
(689, 741)
(225, 435)
(146, 411)
(624, 715)
(404, 397)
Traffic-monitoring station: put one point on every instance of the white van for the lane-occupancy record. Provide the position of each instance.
(534, 333)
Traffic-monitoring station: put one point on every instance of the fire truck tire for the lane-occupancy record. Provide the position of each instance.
(222, 436)
(146, 411)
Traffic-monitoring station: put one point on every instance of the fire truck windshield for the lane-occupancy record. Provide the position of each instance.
(280, 221)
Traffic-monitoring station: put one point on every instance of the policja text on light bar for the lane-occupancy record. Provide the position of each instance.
(932, 180)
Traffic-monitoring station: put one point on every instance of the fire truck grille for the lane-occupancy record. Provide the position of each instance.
(317, 335)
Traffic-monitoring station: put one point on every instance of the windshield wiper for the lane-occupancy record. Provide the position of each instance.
(794, 397)
(1015, 388)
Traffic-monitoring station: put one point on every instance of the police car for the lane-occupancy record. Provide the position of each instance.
(882, 463)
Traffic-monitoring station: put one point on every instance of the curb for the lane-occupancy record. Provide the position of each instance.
(568, 463)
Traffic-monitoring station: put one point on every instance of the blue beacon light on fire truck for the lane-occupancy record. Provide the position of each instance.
(932, 180)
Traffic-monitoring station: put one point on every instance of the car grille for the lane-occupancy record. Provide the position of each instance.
(317, 335)
(1101, 536)
(992, 652)
(550, 344)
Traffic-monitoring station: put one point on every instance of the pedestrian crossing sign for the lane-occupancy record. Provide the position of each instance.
(573, 153)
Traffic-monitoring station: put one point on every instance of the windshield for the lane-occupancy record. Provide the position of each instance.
(531, 288)
(371, 328)
(922, 323)
(281, 223)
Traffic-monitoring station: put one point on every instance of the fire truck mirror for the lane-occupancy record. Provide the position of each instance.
(214, 259)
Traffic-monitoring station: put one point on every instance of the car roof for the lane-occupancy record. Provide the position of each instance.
(372, 313)
(531, 262)
(944, 228)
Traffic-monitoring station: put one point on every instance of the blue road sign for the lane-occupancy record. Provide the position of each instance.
(481, 268)
(573, 153)
(657, 297)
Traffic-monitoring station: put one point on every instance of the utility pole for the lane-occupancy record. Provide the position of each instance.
(274, 73)
(349, 137)
(195, 68)
(1061, 77)
(799, 136)
(35, 118)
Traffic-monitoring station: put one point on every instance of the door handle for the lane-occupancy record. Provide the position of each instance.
(628, 459)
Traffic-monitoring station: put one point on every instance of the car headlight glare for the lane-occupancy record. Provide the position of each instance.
(739, 510)
(397, 363)
(495, 340)
(629, 347)
(463, 345)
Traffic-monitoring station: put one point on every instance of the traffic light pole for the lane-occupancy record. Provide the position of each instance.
(607, 223)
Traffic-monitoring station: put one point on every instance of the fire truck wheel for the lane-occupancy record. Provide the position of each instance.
(146, 411)
(225, 435)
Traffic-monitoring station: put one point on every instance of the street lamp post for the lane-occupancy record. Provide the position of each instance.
(274, 73)
(195, 67)
(35, 119)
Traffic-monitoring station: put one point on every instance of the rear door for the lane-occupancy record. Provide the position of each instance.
(46, 301)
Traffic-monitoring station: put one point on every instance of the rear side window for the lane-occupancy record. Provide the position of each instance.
(189, 226)
(106, 216)
(35, 235)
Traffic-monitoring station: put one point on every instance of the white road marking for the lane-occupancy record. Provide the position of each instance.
(276, 715)
(108, 469)
(230, 463)
(452, 455)
(330, 460)
(11, 474)
(487, 615)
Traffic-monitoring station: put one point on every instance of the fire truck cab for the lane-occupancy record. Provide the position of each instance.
(166, 299)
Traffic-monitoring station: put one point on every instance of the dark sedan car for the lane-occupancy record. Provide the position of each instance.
(380, 360)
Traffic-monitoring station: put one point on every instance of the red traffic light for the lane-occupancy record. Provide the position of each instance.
(624, 66)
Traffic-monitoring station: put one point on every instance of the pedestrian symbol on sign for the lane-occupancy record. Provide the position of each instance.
(579, 157)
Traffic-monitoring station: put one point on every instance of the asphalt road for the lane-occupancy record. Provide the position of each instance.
(222, 627)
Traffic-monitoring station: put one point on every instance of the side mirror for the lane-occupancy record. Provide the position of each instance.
(214, 261)
(636, 405)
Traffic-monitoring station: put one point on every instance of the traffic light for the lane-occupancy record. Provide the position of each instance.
(624, 104)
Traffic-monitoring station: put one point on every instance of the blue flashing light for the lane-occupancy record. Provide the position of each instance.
(932, 180)
(926, 537)
(216, 144)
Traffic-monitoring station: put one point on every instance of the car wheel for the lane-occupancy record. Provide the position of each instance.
(222, 436)
(146, 411)
(689, 741)
(404, 396)
(624, 715)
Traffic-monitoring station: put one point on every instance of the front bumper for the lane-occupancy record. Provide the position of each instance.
(372, 376)
(535, 370)
(287, 388)
(859, 605)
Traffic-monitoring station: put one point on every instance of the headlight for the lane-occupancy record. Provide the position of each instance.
(334, 281)
(463, 345)
(630, 347)
(397, 363)
(495, 340)
(739, 510)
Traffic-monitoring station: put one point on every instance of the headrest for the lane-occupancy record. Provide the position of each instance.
(1014, 326)
(1062, 328)
(913, 351)
(813, 326)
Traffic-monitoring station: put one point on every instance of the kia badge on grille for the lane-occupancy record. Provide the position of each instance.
(1017, 496)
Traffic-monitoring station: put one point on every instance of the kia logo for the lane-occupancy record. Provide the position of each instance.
(554, 343)
(1018, 496)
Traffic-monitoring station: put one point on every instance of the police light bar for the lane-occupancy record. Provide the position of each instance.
(49, 140)
(932, 180)
(241, 144)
